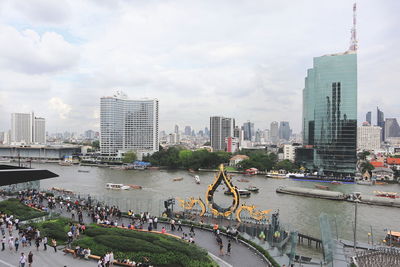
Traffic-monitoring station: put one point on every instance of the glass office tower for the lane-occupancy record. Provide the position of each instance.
(330, 114)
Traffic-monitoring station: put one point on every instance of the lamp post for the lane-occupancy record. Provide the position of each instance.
(356, 199)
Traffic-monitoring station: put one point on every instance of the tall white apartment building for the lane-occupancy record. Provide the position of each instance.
(289, 152)
(369, 137)
(221, 128)
(27, 129)
(127, 124)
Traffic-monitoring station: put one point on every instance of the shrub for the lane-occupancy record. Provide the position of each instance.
(15, 207)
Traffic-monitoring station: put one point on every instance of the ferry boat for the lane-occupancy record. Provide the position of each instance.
(117, 186)
(135, 186)
(242, 193)
(386, 194)
(281, 174)
(252, 188)
(392, 239)
(365, 182)
(197, 179)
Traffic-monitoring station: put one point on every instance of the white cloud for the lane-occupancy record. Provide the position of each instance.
(62, 109)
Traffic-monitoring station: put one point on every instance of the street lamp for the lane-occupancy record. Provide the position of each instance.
(356, 199)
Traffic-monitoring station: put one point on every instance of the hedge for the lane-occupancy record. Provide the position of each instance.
(14, 207)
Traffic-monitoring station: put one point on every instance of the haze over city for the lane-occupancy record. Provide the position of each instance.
(243, 60)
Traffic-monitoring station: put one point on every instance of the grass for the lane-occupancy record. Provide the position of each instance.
(230, 169)
(14, 207)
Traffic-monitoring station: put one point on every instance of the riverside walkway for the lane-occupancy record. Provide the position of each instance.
(241, 255)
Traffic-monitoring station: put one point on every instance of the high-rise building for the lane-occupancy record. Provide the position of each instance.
(176, 129)
(368, 117)
(392, 128)
(27, 129)
(128, 125)
(368, 137)
(206, 131)
(380, 121)
(274, 132)
(220, 129)
(284, 130)
(330, 113)
(90, 135)
(188, 130)
(248, 129)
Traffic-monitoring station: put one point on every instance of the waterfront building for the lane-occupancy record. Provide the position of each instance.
(392, 128)
(368, 117)
(289, 152)
(248, 130)
(220, 129)
(274, 132)
(127, 124)
(39, 152)
(330, 113)
(27, 129)
(284, 130)
(380, 121)
(369, 137)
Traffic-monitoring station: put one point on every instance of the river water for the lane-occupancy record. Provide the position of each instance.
(296, 212)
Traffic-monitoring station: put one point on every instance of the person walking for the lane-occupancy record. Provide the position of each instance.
(228, 250)
(54, 244)
(192, 229)
(22, 260)
(3, 243)
(155, 220)
(221, 249)
(44, 243)
(111, 259)
(11, 243)
(37, 243)
(172, 225)
(30, 259)
(179, 226)
(16, 244)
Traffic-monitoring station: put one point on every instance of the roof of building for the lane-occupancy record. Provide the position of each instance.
(377, 164)
(13, 174)
(382, 169)
(393, 161)
(237, 157)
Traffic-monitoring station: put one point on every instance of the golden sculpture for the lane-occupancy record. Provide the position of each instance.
(255, 214)
(188, 205)
(215, 209)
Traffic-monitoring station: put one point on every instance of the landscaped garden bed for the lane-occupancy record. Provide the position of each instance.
(14, 207)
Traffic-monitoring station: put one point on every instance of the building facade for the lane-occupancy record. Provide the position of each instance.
(27, 129)
(380, 121)
(284, 130)
(369, 137)
(128, 125)
(248, 130)
(392, 128)
(220, 129)
(368, 117)
(274, 132)
(289, 152)
(330, 113)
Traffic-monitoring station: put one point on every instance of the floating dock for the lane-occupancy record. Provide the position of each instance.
(334, 195)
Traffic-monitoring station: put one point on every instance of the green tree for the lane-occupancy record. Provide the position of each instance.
(286, 165)
(366, 166)
(363, 155)
(185, 157)
(129, 157)
(96, 144)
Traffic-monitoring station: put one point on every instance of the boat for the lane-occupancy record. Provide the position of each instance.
(365, 182)
(392, 238)
(336, 182)
(251, 171)
(83, 171)
(5, 160)
(243, 180)
(324, 187)
(252, 188)
(117, 186)
(380, 183)
(135, 186)
(281, 174)
(295, 175)
(197, 179)
(65, 163)
(177, 179)
(242, 193)
(386, 194)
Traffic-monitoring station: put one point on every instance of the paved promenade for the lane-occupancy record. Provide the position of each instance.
(241, 255)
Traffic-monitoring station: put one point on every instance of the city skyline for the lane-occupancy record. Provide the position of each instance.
(251, 66)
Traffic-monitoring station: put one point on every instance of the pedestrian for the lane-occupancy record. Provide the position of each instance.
(54, 244)
(155, 220)
(172, 225)
(107, 259)
(192, 229)
(149, 228)
(30, 258)
(16, 221)
(163, 231)
(179, 226)
(111, 258)
(228, 250)
(37, 243)
(11, 243)
(45, 243)
(221, 249)
(22, 260)
(3, 243)
(16, 244)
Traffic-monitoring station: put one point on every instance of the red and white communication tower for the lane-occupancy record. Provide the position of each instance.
(353, 42)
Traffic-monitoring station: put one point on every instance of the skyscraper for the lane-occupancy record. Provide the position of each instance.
(248, 129)
(274, 132)
(27, 129)
(188, 130)
(284, 130)
(330, 113)
(380, 121)
(392, 128)
(368, 117)
(369, 137)
(176, 129)
(220, 129)
(128, 125)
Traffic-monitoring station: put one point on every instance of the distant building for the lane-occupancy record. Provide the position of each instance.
(369, 137)
(237, 159)
(392, 128)
(27, 129)
(274, 132)
(176, 129)
(289, 152)
(188, 130)
(248, 130)
(330, 113)
(90, 135)
(284, 130)
(368, 117)
(232, 144)
(128, 125)
(220, 129)
(380, 121)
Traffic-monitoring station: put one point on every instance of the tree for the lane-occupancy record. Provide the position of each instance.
(185, 157)
(286, 165)
(366, 166)
(96, 144)
(129, 157)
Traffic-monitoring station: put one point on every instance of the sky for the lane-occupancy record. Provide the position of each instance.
(235, 58)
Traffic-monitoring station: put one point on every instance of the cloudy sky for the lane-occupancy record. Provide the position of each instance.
(237, 58)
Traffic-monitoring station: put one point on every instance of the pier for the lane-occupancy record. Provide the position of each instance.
(309, 239)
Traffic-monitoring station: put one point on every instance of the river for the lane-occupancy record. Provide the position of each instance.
(296, 212)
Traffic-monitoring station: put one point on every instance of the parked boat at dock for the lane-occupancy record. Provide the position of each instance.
(242, 193)
(281, 174)
(117, 186)
(252, 188)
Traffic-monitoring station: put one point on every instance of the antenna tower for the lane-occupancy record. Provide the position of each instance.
(353, 42)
